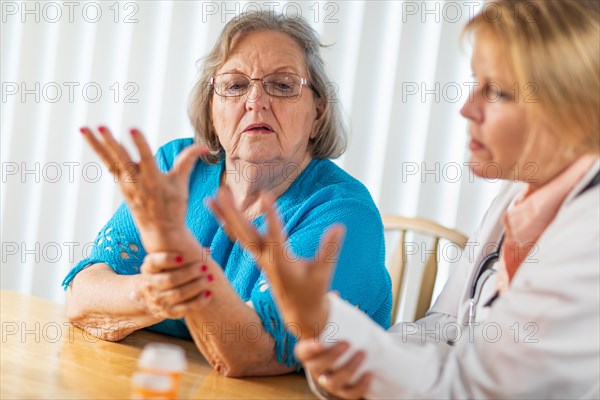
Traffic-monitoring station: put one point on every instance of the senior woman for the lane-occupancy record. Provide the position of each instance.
(526, 326)
(263, 123)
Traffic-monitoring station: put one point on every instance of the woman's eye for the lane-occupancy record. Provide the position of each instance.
(282, 86)
(235, 86)
(494, 93)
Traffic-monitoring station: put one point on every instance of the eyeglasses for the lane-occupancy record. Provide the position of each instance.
(279, 84)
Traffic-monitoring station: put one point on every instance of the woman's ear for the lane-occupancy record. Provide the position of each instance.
(320, 106)
(320, 109)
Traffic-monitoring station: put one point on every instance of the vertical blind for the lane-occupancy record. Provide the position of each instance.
(398, 69)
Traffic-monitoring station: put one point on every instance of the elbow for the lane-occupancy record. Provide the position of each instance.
(99, 329)
(102, 328)
(73, 310)
(231, 366)
(234, 372)
(242, 367)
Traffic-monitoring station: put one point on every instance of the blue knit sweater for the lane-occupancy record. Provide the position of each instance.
(321, 195)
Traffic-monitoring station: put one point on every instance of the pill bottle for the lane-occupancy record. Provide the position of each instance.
(159, 370)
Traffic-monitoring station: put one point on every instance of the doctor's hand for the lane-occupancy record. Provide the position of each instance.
(158, 202)
(298, 285)
(322, 364)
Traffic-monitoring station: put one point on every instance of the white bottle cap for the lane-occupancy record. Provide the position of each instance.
(163, 357)
(153, 382)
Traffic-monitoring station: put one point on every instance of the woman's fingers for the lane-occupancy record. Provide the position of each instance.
(331, 245)
(177, 277)
(326, 258)
(147, 162)
(119, 153)
(191, 306)
(321, 364)
(169, 298)
(318, 359)
(308, 349)
(236, 223)
(221, 217)
(275, 231)
(99, 148)
(112, 154)
(186, 160)
(355, 391)
(171, 287)
(342, 376)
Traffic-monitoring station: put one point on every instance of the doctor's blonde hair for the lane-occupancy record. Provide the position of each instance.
(553, 51)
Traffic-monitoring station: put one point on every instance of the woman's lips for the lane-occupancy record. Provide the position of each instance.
(475, 145)
(259, 128)
(258, 131)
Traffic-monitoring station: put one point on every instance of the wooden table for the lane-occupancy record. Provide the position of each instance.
(43, 356)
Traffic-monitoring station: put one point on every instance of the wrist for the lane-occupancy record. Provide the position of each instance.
(313, 322)
(167, 239)
(322, 317)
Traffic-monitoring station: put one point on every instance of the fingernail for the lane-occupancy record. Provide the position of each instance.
(133, 132)
(82, 130)
(203, 268)
(102, 129)
(210, 277)
(179, 259)
(207, 293)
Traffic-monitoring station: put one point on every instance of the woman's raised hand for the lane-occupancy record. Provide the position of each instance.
(298, 285)
(158, 201)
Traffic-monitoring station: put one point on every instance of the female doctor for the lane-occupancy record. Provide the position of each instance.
(520, 314)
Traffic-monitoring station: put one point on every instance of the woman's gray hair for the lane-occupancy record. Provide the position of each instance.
(331, 133)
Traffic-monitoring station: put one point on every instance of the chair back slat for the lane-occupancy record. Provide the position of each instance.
(397, 270)
(430, 270)
(398, 261)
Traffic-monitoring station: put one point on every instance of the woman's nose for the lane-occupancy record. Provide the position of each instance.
(471, 108)
(256, 98)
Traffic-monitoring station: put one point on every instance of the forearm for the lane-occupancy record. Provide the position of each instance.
(229, 332)
(219, 330)
(101, 302)
(385, 355)
(231, 336)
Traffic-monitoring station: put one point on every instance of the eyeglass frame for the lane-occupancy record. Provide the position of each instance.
(303, 82)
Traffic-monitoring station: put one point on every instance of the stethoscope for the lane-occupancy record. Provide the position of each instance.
(484, 271)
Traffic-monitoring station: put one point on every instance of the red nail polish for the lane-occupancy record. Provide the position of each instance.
(178, 259)
(82, 130)
(207, 293)
(210, 277)
(133, 132)
(203, 268)
(102, 129)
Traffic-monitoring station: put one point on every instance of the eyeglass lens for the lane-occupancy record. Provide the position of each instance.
(278, 84)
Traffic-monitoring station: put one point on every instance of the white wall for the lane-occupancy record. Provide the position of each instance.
(398, 65)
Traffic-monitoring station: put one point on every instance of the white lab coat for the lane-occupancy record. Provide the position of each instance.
(541, 339)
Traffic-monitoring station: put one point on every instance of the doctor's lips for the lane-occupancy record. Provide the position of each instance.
(475, 145)
(259, 128)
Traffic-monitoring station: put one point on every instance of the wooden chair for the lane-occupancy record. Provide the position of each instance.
(430, 267)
